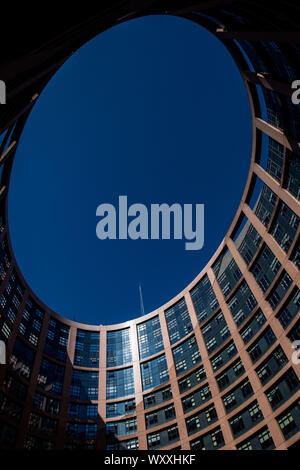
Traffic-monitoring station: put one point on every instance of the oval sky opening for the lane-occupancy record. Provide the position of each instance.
(154, 109)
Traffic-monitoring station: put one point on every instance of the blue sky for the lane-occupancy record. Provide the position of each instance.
(154, 109)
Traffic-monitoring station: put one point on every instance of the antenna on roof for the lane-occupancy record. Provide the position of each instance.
(141, 300)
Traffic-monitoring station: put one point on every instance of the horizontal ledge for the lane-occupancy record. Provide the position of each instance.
(200, 7)
(7, 152)
(278, 135)
(280, 36)
(282, 193)
(267, 82)
(2, 191)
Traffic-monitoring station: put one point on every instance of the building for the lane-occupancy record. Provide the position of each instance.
(211, 369)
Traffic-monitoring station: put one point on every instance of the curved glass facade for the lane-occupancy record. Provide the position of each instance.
(211, 369)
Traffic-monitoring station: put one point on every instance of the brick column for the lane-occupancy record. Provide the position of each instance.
(180, 418)
(140, 412)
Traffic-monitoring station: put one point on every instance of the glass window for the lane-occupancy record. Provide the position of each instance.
(149, 337)
(186, 355)
(87, 348)
(178, 321)
(119, 383)
(118, 348)
(154, 372)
